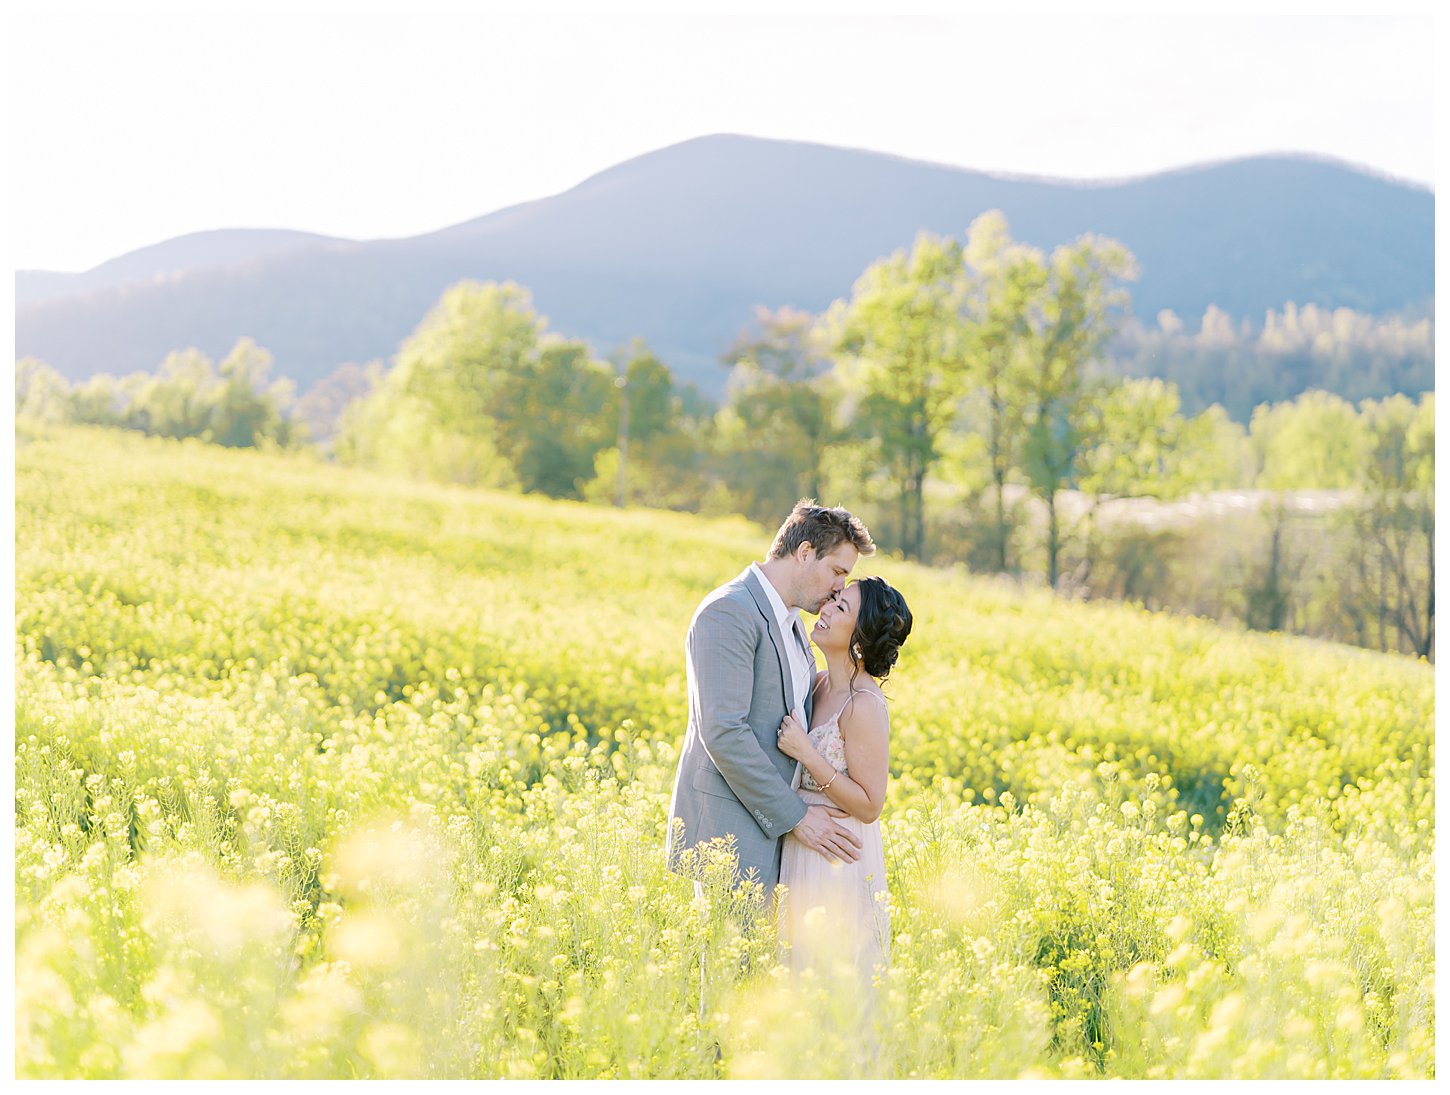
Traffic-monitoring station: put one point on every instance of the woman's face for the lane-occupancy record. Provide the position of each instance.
(837, 622)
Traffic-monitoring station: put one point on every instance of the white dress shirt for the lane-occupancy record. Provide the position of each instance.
(792, 632)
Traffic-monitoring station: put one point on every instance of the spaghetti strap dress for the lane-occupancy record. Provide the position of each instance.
(832, 914)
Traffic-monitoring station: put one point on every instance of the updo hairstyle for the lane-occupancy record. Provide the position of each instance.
(882, 624)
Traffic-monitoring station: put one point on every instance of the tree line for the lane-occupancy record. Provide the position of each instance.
(1238, 367)
(963, 396)
(232, 404)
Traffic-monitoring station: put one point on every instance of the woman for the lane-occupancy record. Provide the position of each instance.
(835, 911)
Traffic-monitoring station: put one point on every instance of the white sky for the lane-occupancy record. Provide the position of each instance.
(138, 121)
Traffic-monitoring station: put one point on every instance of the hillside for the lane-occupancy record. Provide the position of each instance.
(679, 246)
(237, 555)
(378, 770)
(169, 259)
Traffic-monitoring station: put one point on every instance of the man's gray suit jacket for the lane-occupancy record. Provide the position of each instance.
(732, 779)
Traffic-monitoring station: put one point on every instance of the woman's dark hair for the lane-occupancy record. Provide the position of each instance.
(882, 624)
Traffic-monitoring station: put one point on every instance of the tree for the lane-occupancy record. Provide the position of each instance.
(102, 400)
(1316, 442)
(672, 441)
(654, 405)
(780, 411)
(548, 417)
(1395, 516)
(1349, 353)
(41, 393)
(185, 397)
(1213, 452)
(903, 330)
(362, 419)
(1070, 316)
(1134, 443)
(442, 401)
(1269, 590)
(245, 409)
(483, 393)
(458, 361)
(643, 405)
(394, 431)
(1005, 275)
(320, 410)
(177, 400)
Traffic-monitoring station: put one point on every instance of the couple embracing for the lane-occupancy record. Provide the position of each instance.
(789, 761)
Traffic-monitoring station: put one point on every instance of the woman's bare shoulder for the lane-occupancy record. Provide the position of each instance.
(864, 715)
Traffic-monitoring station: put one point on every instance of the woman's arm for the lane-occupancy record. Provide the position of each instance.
(864, 732)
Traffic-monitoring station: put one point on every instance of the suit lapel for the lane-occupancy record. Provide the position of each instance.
(762, 602)
(811, 691)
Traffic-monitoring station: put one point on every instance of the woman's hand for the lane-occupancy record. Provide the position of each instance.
(792, 739)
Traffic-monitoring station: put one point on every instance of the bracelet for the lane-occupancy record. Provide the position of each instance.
(831, 780)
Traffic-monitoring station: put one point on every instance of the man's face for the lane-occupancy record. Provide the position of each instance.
(822, 578)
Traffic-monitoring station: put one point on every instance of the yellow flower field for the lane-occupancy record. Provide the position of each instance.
(327, 774)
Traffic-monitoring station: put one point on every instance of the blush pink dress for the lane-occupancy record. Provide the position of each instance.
(833, 914)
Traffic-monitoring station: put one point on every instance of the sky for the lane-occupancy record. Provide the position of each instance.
(137, 122)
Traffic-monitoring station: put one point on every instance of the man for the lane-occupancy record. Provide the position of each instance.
(748, 663)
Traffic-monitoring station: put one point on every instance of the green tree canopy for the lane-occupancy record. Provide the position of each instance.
(1070, 316)
(1317, 441)
(482, 393)
(781, 410)
(903, 330)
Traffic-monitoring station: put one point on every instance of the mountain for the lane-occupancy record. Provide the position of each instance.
(169, 259)
(680, 245)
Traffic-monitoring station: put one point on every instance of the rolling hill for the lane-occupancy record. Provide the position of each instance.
(172, 258)
(679, 246)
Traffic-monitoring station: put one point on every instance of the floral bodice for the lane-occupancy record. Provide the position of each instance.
(828, 742)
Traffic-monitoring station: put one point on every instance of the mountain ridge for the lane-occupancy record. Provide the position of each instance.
(205, 249)
(679, 245)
